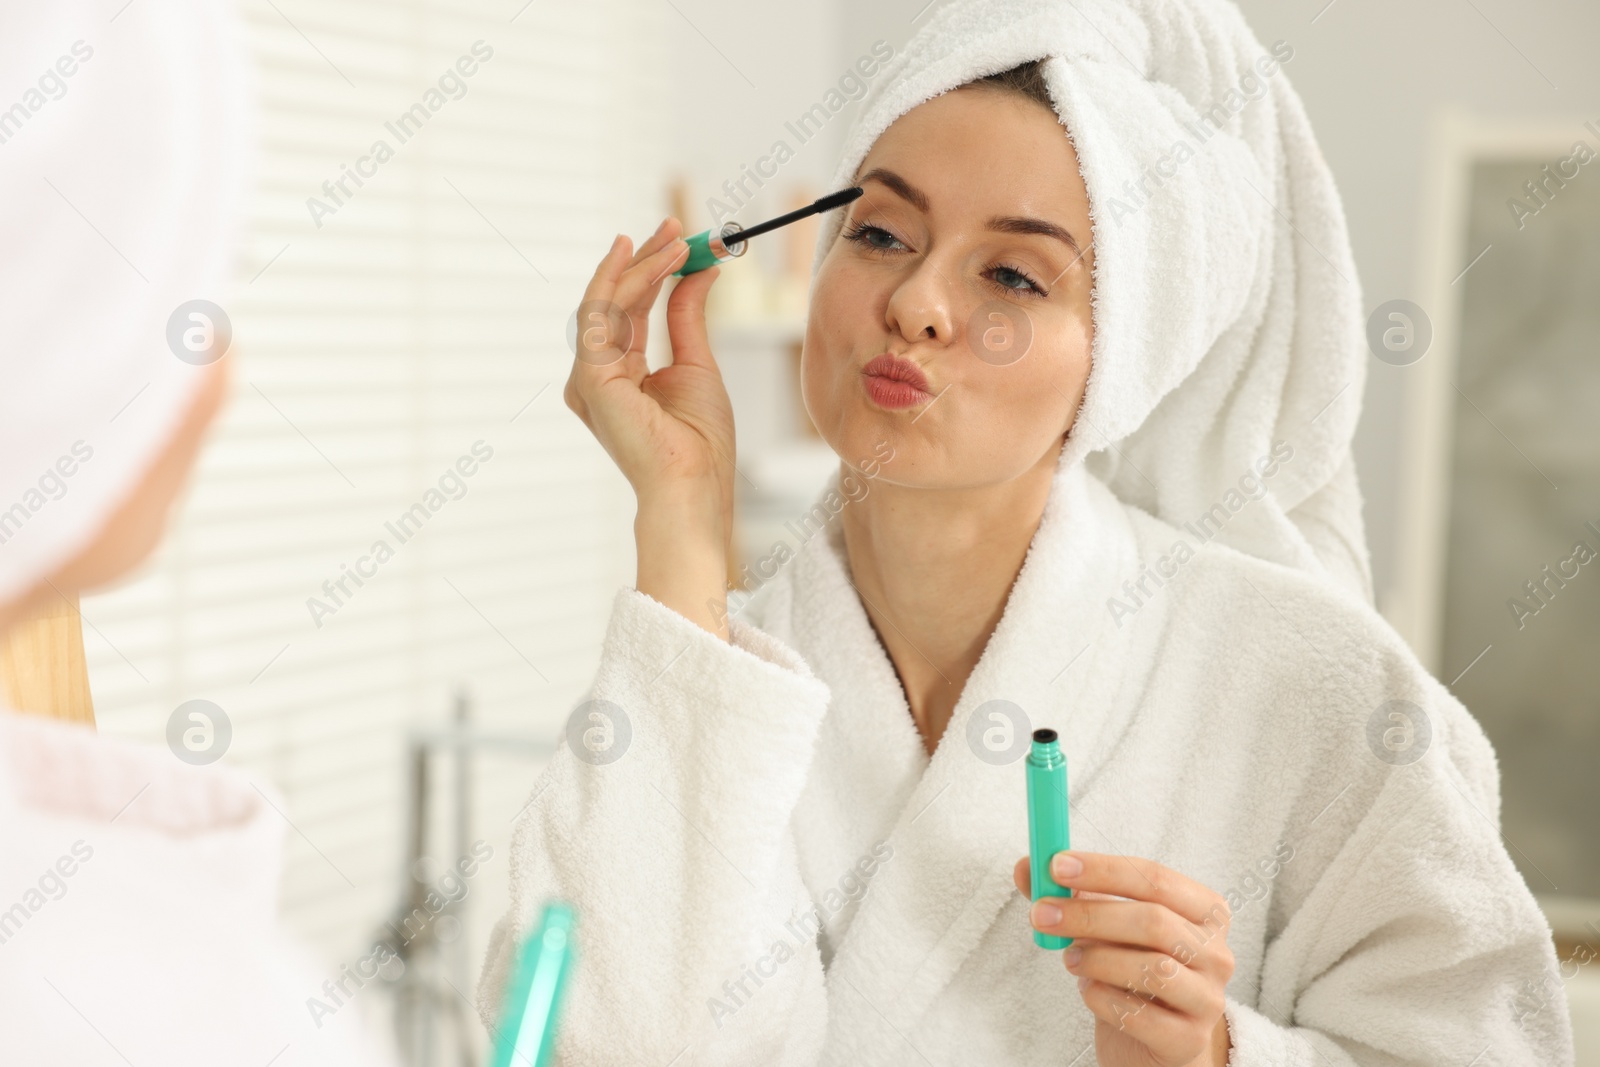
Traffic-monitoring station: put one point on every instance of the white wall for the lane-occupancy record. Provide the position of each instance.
(1373, 77)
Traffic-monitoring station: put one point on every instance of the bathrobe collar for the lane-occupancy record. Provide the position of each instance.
(1056, 654)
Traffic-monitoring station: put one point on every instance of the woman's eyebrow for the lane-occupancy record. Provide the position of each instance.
(1018, 224)
(1024, 225)
(898, 185)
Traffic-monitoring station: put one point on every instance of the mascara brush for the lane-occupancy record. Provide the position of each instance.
(708, 249)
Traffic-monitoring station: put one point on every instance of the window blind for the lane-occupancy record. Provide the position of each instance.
(399, 358)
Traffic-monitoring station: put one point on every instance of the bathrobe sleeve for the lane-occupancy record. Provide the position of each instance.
(675, 847)
(1420, 943)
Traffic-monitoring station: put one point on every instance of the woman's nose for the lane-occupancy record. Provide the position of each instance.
(921, 306)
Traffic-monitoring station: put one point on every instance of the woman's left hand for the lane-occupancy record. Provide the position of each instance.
(1152, 968)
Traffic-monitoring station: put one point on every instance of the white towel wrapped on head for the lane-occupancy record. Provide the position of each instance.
(1222, 260)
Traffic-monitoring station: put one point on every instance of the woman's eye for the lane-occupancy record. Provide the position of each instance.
(1015, 280)
(874, 237)
(1011, 279)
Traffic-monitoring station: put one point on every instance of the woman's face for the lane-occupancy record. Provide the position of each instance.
(955, 259)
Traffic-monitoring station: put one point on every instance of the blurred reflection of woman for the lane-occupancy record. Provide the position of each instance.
(138, 893)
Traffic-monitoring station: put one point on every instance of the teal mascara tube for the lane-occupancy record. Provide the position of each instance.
(533, 997)
(708, 249)
(1048, 831)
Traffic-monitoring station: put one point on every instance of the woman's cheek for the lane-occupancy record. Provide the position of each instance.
(837, 325)
(1037, 396)
(823, 376)
(1056, 367)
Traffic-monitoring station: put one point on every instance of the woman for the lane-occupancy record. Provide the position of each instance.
(138, 892)
(792, 826)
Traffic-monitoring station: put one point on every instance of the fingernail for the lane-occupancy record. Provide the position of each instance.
(1074, 954)
(1066, 865)
(616, 242)
(1046, 914)
(1083, 982)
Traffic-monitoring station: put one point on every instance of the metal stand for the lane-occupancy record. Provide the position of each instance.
(430, 975)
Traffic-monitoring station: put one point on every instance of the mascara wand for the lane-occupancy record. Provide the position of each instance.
(708, 249)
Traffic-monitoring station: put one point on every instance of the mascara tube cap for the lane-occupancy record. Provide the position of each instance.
(1048, 829)
(707, 249)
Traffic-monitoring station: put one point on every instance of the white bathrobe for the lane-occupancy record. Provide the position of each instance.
(138, 915)
(1235, 727)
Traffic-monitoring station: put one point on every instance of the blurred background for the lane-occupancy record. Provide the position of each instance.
(397, 333)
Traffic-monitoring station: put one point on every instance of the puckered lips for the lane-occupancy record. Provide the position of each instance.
(895, 382)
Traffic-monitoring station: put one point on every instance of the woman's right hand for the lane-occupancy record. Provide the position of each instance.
(670, 432)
